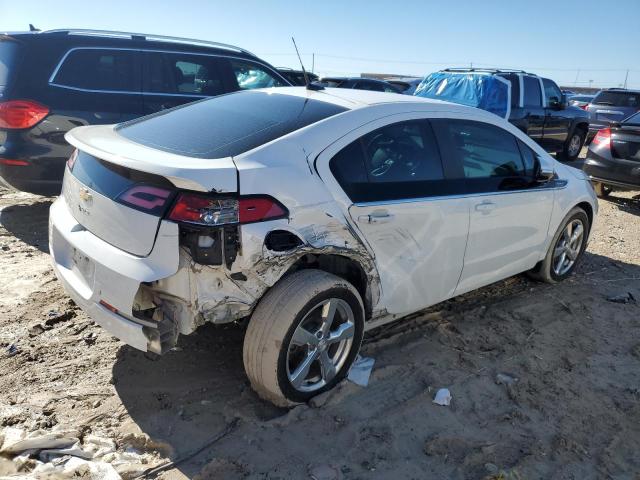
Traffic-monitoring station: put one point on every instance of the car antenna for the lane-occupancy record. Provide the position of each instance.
(309, 85)
(32, 28)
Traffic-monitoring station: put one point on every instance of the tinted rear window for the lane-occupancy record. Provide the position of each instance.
(227, 125)
(8, 58)
(99, 69)
(618, 99)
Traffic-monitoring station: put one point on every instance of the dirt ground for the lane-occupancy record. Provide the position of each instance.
(545, 380)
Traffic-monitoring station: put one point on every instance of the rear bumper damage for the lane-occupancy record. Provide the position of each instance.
(131, 296)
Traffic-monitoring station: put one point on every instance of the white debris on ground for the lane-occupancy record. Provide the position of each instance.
(361, 371)
(443, 397)
(61, 453)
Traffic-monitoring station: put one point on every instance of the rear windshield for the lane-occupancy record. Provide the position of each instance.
(633, 119)
(8, 58)
(581, 98)
(618, 99)
(227, 125)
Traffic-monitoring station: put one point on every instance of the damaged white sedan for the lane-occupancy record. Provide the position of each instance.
(316, 215)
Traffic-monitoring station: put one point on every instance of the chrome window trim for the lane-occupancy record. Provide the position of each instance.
(129, 92)
(555, 185)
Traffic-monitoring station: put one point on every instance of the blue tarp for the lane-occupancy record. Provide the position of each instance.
(488, 92)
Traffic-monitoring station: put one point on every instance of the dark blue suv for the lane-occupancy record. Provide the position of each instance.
(53, 81)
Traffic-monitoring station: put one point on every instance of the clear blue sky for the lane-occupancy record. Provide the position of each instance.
(552, 38)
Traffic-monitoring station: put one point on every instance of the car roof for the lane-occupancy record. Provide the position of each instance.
(620, 90)
(87, 37)
(353, 98)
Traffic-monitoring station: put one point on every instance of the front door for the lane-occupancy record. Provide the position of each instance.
(395, 180)
(509, 211)
(557, 121)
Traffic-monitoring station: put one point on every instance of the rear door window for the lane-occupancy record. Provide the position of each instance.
(250, 75)
(394, 162)
(183, 74)
(532, 95)
(100, 69)
(8, 60)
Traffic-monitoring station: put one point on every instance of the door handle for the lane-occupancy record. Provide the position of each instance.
(485, 207)
(376, 217)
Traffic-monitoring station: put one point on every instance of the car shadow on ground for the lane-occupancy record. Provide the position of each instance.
(28, 222)
(192, 394)
(629, 205)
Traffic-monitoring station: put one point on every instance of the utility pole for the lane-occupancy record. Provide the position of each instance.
(313, 62)
(575, 82)
(625, 79)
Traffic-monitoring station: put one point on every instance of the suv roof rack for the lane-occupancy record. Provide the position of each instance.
(488, 70)
(147, 37)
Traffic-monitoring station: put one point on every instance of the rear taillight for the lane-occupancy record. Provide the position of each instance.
(13, 162)
(602, 138)
(585, 107)
(146, 198)
(72, 159)
(17, 114)
(208, 211)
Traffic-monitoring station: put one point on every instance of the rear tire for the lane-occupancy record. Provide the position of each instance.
(573, 145)
(303, 337)
(564, 254)
(602, 190)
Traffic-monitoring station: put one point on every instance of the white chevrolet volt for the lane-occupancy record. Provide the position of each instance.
(313, 215)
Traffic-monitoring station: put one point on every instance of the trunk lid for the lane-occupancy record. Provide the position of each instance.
(625, 142)
(120, 191)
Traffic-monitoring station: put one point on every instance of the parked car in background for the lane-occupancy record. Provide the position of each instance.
(569, 93)
(53, 81)
(533, 104)
(580, 100)
(330, 213)
(611, 105)
(407, 86)
(613, 158)
(359, 83)
(296, 77)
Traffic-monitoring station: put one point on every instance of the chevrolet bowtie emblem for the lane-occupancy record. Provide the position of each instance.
(85, 195)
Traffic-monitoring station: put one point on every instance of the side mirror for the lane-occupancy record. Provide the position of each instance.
(543, 174)
(558, 103)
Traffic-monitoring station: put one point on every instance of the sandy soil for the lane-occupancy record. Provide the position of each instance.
(545, 379)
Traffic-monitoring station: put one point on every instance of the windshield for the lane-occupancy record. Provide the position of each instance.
(8, 58)
(227, 125)
(618, 99)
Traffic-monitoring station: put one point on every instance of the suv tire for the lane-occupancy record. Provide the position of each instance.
(303, 337)
(564, 253)
(573, 145)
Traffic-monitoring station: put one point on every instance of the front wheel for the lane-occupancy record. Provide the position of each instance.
(566, 249)
(303, 337)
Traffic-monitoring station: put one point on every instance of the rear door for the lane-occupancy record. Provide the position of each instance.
(174, 78)
(96, 86)
(398, 198)
(533, 109)
(557, 122)
(509, 213)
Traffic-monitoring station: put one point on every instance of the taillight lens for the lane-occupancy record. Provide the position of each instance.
(209, 211)
(146, 198)
(585, 107)
(13, 162)
(72, 159)
(602, 138)
(17, 114)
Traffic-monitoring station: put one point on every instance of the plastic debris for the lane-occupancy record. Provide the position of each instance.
(12, 350)
(622, 298)
(361, 370)
(443, 397)
(505, 379)
(40, 440)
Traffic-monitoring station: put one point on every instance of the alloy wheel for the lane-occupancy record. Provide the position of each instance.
(568, 247)
(574, 145)
(320, 345)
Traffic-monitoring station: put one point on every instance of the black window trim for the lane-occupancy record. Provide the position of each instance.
(152, 50)
(542, 95)
(556, 184)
